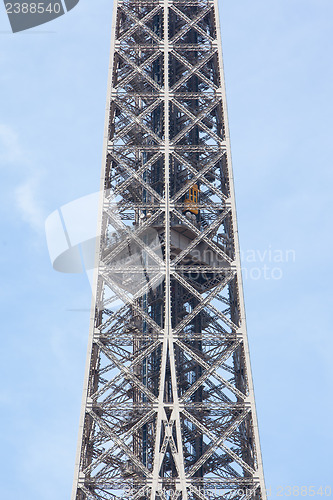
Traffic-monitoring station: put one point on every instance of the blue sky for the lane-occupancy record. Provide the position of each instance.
(279, 76)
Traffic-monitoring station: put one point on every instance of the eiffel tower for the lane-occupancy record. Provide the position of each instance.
(168, 408)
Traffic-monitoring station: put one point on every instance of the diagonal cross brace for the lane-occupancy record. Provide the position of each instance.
(211, 371)
(196, 120)
(106, 429)
(191, 23)
(217, 442)
(198, 175)
(204, 302)
(209, 229)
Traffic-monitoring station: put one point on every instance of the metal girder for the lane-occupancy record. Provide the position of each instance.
(168, 409)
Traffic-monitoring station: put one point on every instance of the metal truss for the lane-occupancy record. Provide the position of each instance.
(168, 408)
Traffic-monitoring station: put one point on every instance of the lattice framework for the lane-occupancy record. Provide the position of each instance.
(168, 410)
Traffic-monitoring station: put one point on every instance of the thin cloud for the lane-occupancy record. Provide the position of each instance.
(26, 196)
(10, 149)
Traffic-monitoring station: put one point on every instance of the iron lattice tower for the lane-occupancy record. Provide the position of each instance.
(168, 409)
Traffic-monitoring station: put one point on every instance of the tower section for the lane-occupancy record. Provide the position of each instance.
(168, 408)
